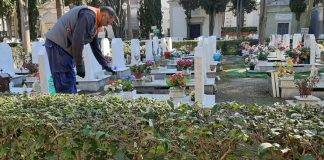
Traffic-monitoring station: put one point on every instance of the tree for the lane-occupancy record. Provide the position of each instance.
(212, 7)
(262, 21)
(7, 7)
(298, 7)
(59, 9)
(149, 15)
(25, 34)
(33, 18)
(188, 6)
(244, 7)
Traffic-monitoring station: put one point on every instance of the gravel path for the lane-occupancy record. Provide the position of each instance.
(243, 90)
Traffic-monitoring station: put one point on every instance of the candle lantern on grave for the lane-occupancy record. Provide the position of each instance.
(4, 82)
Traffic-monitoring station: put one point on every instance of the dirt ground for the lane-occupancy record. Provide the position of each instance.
(242, 90)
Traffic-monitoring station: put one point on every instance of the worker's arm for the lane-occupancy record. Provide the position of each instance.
(83, 33)
(98, 54)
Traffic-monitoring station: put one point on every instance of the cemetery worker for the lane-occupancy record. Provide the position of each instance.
(65, 41)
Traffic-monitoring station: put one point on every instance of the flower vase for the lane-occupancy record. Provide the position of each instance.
(129, 94)
(138, 82)
(176, 92)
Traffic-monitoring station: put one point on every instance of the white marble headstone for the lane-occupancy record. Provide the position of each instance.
(309, 39)
(91, 65)
(149, 51)
(117, 48)
(36, 50)
(44, 70)
(297, 39)
(272, 40)
(206, 50)
(286, 40)
(155, 45)
(135, 51)
(170, 44)
(105, 47)
(164, 44)
(6, 59)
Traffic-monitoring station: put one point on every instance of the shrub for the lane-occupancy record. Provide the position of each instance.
(86, 127)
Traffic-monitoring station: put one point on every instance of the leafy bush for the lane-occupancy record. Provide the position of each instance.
(244, 29)
(228, 47)
(85, 127)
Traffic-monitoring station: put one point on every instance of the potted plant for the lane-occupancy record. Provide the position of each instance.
(138, 71)
(128, 89)
(305, 55)
(177, 83)
(306, 86)
(184, 64)
(148, 68)
(114, 86)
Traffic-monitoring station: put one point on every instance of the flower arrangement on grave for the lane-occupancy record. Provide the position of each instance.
(286, 70)
(177, 83)
(262, 53)
(167, 55)
(127, 85)
(304, 54)
(185, 50)
(114, 86)
(177, 80)
(149, 65)
(306, 85)
(139, 71)
(184, 64)
(251, 61)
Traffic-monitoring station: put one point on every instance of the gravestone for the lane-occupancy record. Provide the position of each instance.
(207, 51)
(36, 49)
(199, 74)
(105, 47)
(6, 59)
(309, 40)
(93, 70)
(164, 44)
(45, 76)
(118, 60)
(297, 39)
(286, 40)
(170, 44)
(149, 51)
(135, 51)
(155, 45)
(272, 40)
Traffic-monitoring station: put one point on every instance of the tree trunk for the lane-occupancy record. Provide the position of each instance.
(23, 7)
(211, 23)
(59, 10)
(188, 14)
(237, 19)
(129, 24)
(309, 9)
(262, 22)
(9, 24)
(3, 26)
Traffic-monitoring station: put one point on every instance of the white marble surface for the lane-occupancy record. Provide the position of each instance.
(6, 59)
(105, 47)
(93, 69)
(36, 50)
(118, 59)
(135, 51)
(149, 51)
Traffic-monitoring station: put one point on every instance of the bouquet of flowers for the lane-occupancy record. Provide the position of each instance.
(167, 55)
(177, 80)
(138, 70)
(114, 86)
(184, 64)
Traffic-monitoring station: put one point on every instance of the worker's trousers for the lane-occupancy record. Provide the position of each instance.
(62, 68)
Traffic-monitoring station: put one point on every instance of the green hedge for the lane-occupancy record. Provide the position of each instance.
(84, 127)
(228, 47)
(244, 29)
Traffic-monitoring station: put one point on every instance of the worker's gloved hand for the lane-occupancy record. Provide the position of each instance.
(80, 71)
(108, 69)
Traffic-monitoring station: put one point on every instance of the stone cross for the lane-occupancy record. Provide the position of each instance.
(199, 73)
(36, 48)
(93, 70)
(297, 39)
(135, 51)
(149, 51)
(105, 47)
(118, 60)
(6, 59)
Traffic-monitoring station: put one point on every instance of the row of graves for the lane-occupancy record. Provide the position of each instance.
(282, 58)
(163, 73)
